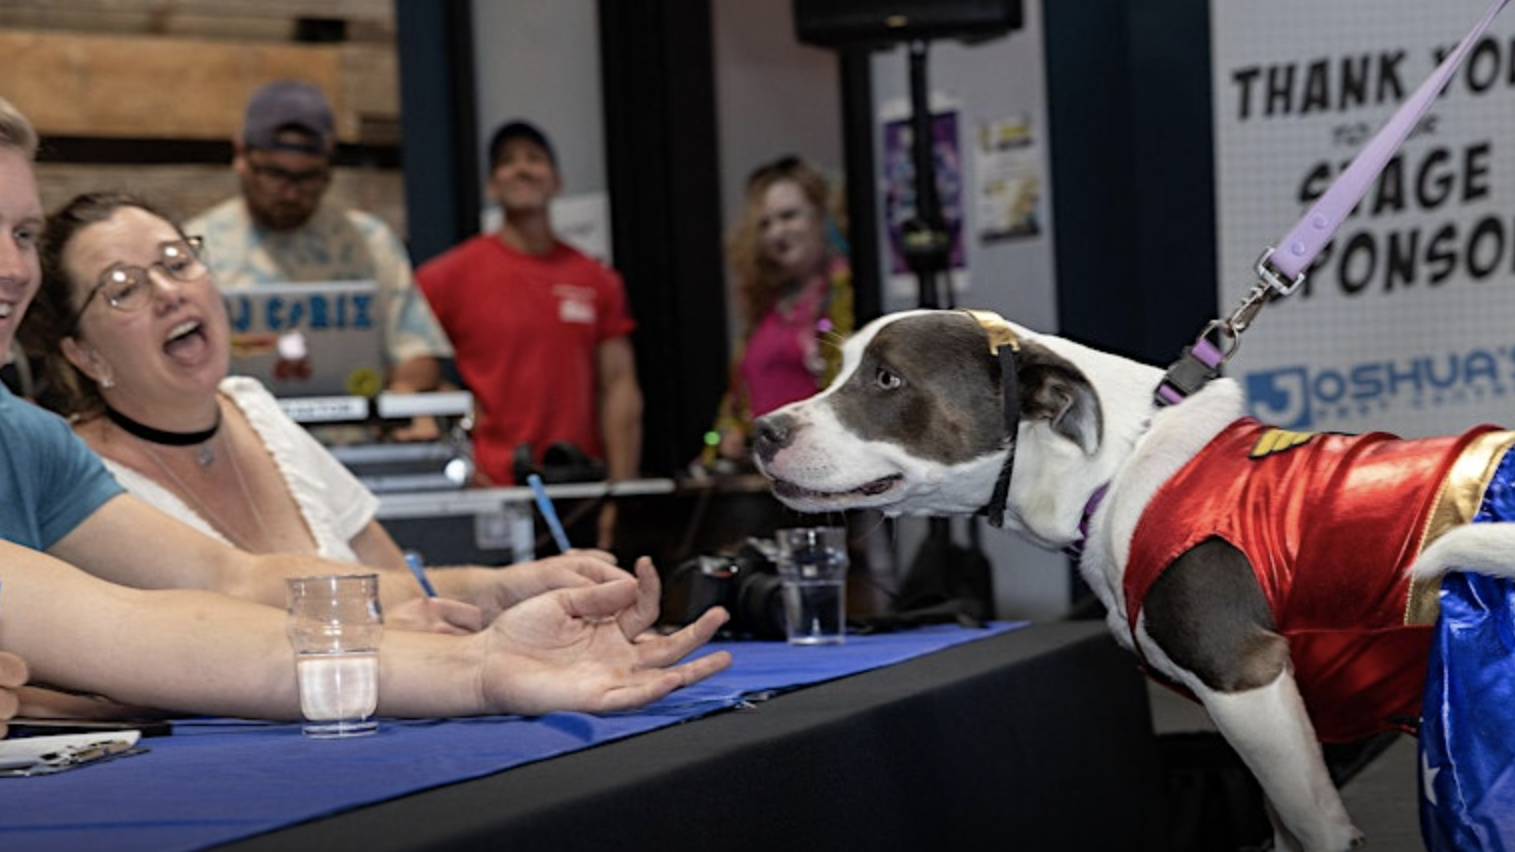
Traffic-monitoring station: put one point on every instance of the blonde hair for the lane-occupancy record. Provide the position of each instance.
(16, 132)
(760, 281)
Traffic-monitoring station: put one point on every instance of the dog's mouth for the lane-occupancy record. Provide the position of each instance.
(784, 489)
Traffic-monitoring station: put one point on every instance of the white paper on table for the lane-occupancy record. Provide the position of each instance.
(44, 755)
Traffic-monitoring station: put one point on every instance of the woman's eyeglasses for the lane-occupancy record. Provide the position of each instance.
(129, 288)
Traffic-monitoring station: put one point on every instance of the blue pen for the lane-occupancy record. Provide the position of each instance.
(544, 503)
(413, 560)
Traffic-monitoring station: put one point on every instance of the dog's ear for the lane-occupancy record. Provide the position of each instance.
(1053, 389)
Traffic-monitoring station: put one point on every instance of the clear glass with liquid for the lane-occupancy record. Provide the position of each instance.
(812, 565)
(335, 625)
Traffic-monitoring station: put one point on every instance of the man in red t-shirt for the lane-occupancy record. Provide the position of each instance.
(541, 330)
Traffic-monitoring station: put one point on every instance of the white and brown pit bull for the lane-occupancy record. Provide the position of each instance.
(1263, 571)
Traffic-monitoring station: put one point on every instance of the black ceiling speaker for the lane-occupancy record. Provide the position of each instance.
(876, 24)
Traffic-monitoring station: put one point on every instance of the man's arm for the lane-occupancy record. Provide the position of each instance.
(197, 652)
(13, 674)
(178, 650)
(620, 407)
(413, 337)
(417, 346)
(416, 374)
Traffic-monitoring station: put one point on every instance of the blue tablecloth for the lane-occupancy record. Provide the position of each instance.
(217, 780)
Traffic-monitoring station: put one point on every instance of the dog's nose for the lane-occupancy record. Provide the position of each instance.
(771, 433)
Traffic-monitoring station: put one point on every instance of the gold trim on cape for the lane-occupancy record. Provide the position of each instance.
(1457, 502)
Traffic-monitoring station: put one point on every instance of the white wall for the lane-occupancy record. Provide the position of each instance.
(540, 60)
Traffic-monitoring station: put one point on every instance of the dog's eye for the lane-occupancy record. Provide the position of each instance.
(887, 379)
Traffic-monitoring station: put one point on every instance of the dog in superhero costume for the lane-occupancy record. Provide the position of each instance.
(1286, 580)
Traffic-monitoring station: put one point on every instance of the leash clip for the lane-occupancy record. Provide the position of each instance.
(1271, 277)
(1202, 361)
(1270, 285)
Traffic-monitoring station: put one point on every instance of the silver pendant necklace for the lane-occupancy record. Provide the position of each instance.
(216, 520)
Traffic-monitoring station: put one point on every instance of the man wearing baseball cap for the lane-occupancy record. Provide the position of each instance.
(281, 227)
(289, 116)
(542, 330)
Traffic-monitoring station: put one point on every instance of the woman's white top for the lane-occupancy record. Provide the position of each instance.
(334, 504)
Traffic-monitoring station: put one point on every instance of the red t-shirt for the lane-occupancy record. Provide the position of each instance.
(526, 330)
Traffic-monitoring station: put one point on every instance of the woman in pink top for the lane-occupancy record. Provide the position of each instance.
(795, 287)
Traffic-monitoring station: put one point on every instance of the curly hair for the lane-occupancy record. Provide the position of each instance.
(760, 281)
(53, 315)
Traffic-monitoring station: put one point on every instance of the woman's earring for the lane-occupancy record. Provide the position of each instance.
(106, 381)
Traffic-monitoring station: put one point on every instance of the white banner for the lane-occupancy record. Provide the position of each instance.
(1407, 322)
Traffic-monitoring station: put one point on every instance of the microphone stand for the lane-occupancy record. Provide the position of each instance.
(924, 236)
(926, 245)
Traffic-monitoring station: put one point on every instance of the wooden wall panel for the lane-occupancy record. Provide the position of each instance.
(148, 87)
(365, 20)
(147, 75)
(370, 94)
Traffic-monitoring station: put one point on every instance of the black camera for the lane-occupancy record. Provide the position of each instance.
(745, 582)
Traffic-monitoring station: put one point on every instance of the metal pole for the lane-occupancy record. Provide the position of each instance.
(924, 236)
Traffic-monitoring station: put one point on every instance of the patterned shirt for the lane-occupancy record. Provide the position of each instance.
(335, 245)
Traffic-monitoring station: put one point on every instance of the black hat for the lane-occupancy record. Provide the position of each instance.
(512, 130)
(288, 105)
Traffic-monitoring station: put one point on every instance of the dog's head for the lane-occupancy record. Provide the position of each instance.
(916, 421)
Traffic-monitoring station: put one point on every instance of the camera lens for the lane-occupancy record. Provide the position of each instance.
(710, 583)
(746, 583)
(760, 605)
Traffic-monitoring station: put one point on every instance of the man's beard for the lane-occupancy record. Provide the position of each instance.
(282, 216)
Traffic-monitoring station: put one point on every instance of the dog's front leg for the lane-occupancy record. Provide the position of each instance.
(1206, 623)
(1271, 732)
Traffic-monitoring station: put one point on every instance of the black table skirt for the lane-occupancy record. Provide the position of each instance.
(1037, 740)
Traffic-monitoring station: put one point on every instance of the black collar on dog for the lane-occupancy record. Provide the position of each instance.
(1011, 394)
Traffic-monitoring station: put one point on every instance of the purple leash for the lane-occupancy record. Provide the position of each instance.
(1280, 271)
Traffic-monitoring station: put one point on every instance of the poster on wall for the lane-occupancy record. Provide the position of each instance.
(1009, 181)
(1407, 321)
(898, 189)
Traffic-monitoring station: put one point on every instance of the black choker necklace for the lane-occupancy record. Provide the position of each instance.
(171, 439)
